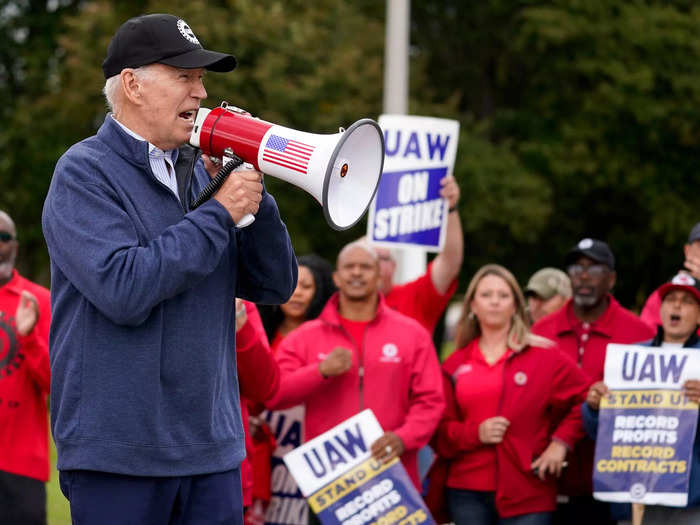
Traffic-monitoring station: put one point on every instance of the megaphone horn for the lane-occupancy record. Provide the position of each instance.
(340, 170)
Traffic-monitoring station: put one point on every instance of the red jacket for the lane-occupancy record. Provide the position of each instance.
(401, 380)
(616, 325)
(536, 383)
(24, 384)
(258, 379)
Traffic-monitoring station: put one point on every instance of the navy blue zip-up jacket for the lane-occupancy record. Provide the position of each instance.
(590, 423)
(142, 340)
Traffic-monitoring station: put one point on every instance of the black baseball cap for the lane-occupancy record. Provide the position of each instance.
(594, 249)
(162, 39)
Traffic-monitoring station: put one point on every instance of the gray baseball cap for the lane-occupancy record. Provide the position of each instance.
(548, 282)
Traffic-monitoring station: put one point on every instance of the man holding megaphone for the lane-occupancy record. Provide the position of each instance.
(144, 399)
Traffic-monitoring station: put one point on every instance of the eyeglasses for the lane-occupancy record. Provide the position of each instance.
(6, 237)
(594, 270)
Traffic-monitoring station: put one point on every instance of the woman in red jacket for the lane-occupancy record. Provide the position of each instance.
(503, 386)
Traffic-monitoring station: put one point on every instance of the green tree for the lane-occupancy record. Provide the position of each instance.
(312, 67)
(597, 101)
(28, 64)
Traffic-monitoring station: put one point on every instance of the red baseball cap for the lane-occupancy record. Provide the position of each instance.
(681, 281)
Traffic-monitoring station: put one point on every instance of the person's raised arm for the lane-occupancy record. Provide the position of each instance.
(448, 262)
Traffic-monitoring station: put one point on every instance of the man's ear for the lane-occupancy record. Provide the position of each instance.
(336, 280)
(131, 86)
(612, 279)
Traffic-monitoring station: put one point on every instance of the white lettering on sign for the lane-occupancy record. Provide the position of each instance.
(413, 187)
(409, 218)
(414, 145)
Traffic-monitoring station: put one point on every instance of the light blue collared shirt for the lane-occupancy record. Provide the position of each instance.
(162, 162)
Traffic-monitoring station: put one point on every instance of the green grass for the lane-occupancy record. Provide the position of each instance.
(57, 509)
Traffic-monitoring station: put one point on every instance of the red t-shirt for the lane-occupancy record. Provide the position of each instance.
(420, 300)
(478, 387)
(356, 329)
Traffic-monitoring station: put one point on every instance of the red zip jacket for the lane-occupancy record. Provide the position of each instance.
(24, 384)
(536, 383)
(395, 373)
(586, 344)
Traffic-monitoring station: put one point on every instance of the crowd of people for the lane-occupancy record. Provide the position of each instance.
(166, 378)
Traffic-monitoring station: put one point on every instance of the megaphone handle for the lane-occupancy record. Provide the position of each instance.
(216, 182)
(247, 219)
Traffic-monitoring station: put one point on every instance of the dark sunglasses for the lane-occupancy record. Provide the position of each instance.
(6, 237)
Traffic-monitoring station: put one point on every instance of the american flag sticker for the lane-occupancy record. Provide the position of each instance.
(288, 153)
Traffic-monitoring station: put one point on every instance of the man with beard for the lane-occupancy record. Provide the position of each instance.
(583, 328)
(25, 315)
(359, 354)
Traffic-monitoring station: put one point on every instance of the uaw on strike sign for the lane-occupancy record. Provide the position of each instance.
(344, 485)
(646, 426)
(408, 210)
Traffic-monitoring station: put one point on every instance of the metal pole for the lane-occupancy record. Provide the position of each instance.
(410, 263)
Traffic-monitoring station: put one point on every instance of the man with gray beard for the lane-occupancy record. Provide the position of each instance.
(582, 329)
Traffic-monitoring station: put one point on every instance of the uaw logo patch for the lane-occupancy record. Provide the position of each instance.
(520, 378)
(683, 279)
(10, 356)
(187, 32)
(390, 354)
(585, 244)
(464, 368)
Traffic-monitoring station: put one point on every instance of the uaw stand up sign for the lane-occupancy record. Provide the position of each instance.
(344, 485)
(646, 426)
(407, 210)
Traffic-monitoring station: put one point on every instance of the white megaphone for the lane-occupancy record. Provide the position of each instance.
(341, 170)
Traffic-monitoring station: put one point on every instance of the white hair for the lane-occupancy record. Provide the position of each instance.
(111, 90)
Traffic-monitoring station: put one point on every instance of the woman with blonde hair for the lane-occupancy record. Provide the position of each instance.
(512, 409)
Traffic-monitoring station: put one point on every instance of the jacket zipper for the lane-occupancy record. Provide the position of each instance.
(360, 359)
(361, 369)
(500, 412)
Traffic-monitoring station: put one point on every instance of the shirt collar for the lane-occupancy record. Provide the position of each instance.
(153, 151)
(13, 284)
(602, 325)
